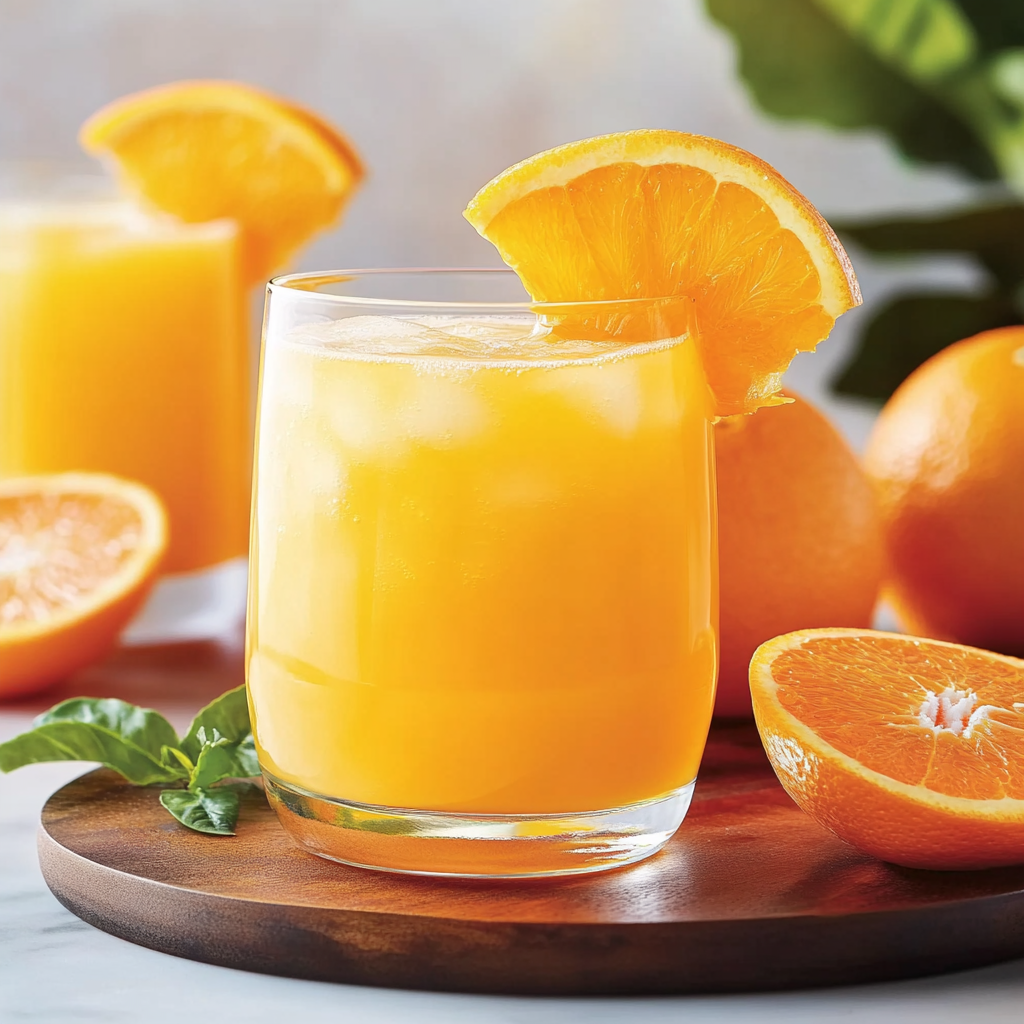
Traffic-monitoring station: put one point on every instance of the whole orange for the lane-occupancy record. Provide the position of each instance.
(947, 455)
(799, 538)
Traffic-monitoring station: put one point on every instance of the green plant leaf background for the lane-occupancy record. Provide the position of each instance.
(944, 79)
(799, 62)
(912, 328)
(993, 235)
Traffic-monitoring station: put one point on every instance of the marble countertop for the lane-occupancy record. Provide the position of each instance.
(54, 967)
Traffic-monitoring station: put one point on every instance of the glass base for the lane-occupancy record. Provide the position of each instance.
(192, 606)
(476, 845)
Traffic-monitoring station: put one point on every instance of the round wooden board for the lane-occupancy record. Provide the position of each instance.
(750, 894)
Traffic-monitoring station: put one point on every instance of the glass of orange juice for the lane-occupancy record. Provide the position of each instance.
(482, 629)
(124, 349)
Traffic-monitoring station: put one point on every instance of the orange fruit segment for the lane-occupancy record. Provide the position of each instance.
(78, 553)
(653, 214)
(203, 150)
(910, 749)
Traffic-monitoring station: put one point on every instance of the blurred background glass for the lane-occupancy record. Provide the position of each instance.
(123, 349)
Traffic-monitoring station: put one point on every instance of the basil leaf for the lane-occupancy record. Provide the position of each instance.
(86, 741)
(216, 762)
(228, 714)
(246, 759)
(213, 811)
(219, 759)
(142, 727)
(173, 757)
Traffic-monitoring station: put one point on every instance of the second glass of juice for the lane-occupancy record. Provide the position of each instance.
(124, 349)
(482, 633)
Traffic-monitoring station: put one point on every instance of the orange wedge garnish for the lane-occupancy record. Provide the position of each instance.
(78, 553)
(910, 749)
(205, 150)
(652, 214)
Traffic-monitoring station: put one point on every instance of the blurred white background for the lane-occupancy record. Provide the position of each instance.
(439, 96)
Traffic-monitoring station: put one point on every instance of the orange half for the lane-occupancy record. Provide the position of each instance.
(910, 749)
(652, 214)
(78, 553)
(203, 150)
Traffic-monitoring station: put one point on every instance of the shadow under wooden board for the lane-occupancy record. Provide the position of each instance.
(751, 894)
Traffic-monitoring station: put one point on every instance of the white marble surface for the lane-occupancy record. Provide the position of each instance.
(55, 968)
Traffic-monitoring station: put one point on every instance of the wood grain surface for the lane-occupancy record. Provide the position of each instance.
(750, 894)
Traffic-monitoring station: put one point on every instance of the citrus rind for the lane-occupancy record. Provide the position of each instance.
(298, 127)
(647, 147)
(208, 149)
(37, 652)
(894, 821)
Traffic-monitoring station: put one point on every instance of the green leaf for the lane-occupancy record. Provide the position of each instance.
(143, 746)
(213, 811)
(215, 763)
(246, 760)
(994, 234)
(218, 759)
(1006, 75)
(86, 741)
(912, 328)
(228, 715)
(220, 741)
(926, 40)
(143, 727)
(172, 756)
(869, 63)
(997, 23)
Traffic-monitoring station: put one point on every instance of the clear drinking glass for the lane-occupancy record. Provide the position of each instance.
(124, 349)
(482, 627)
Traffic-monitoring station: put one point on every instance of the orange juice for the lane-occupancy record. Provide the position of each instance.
(123, 349)
(483, 568)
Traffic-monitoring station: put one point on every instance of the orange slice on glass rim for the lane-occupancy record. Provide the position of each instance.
(910, 749)
(78, 554)
(653, 214)
(203, 150)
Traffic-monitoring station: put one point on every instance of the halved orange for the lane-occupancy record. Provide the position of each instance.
(78, 553)
(652, 214)
(203, 150)
(910, 749)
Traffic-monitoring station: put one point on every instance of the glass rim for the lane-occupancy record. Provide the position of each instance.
(306, 283)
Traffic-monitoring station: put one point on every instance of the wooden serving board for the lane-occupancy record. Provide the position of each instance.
(750, 894)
